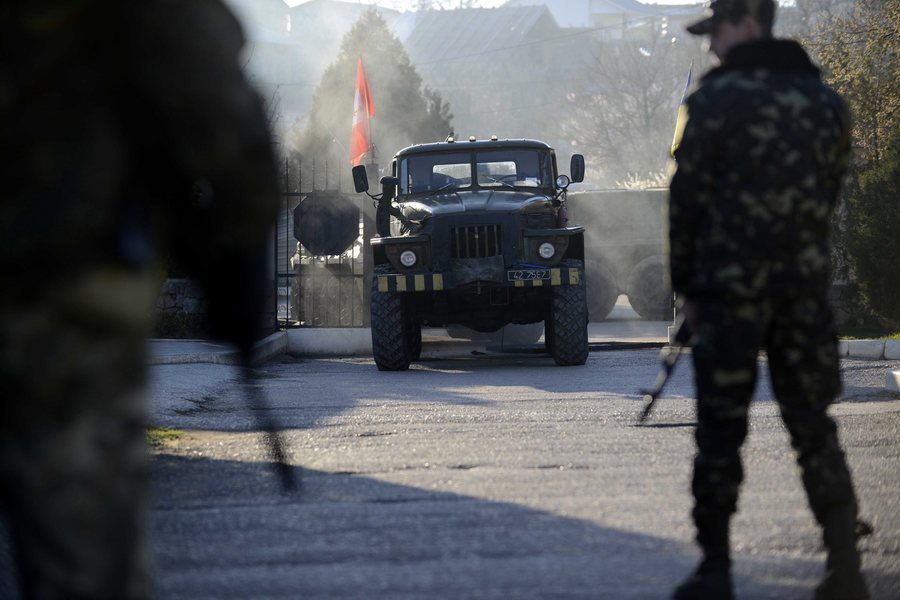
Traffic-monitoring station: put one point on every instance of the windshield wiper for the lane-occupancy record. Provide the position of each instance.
(501, 182)
(447, 185)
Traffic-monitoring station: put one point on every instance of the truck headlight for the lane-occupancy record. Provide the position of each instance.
(408, 258)
(546, 250)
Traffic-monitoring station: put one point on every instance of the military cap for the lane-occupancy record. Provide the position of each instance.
(733, 10)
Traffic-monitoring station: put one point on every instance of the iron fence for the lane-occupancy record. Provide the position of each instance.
(319, 290)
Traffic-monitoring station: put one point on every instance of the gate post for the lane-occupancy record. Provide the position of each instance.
(368, 215)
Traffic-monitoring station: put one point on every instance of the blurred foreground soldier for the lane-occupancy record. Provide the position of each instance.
(758, 174)
(127, 128)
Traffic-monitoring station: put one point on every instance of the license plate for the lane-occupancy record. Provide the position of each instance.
(529, 275)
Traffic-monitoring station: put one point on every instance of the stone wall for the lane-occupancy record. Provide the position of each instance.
(181, 310)
(181, 296)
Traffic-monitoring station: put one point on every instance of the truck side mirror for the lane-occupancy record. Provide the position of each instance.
(360, 179)
(576, 168)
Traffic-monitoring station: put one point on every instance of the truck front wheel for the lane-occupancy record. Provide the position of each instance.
(566, 336)
(394, 338)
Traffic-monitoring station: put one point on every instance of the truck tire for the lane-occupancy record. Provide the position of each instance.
(392, 332)
(566, 336)
(648, 292)
(602, 290)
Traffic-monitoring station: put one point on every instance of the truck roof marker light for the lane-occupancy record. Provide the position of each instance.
(494, 138)
(471, 138)
(450, 139)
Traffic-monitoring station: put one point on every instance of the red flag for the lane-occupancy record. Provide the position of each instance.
(363, 108)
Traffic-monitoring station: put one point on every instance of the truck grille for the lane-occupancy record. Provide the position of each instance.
(476, 241)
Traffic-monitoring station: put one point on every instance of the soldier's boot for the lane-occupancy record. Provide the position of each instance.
(843, 579)
(712, 579)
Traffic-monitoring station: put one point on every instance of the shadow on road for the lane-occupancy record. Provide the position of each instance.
(224, 529)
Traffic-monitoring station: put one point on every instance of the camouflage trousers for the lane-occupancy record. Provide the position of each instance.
(72, 450)
(799, 338)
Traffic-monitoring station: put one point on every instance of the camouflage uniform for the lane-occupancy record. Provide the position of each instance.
(115, 114)
(759, 169)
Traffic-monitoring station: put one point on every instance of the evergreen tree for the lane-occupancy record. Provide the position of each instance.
(858, 48)
(405, 111)
(873, 223)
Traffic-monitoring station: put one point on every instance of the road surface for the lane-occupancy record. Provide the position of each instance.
(478, 474)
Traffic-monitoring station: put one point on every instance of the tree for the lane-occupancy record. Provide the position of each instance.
(405, 112)
(872, 233)
(860, 54)
(804, 17)
(624, 111)
(858, 49)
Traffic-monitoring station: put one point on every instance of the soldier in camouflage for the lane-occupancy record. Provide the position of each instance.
(128, 130)
(758, 174)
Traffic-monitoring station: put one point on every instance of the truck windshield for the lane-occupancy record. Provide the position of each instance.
(432, 172)
(513, 168)
(516, 168)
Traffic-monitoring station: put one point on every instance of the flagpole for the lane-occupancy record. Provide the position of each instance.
(681, 114)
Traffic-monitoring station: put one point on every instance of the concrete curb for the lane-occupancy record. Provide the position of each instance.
(868, 349)
(263, 350)
(330, 341)
(892, 349)
(272, 346)
(893, 382)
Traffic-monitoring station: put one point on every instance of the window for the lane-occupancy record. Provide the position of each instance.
(431, 172)
(514, 168)
(501, 168)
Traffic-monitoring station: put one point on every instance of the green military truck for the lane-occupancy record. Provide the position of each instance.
(475, 233)
(624, 250)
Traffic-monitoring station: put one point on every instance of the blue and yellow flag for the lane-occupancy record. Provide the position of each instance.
(681, 119)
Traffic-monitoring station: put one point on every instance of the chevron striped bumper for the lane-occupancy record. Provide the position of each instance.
(520, 278)
(431, 282)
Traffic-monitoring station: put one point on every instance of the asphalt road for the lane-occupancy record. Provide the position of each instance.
(487, 475)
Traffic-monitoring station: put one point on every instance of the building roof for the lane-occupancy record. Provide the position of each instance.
(257, 34)
(271, 14)
(440, 35)
(580, 13)
(334, 15)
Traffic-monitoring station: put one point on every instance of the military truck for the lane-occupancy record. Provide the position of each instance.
(475, 233)
(624, 250)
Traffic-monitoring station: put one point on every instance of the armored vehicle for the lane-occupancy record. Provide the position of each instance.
(625, 250)
(475, 233)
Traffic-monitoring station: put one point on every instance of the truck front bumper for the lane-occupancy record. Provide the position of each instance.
(518, 278)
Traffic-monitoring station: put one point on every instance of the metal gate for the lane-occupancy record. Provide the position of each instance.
(318, 290)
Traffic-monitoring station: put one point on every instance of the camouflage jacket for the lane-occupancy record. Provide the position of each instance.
(114, 113)
(130, 133)
(758, 174)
